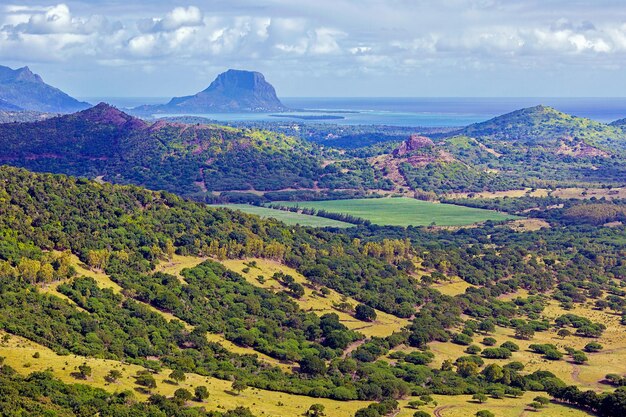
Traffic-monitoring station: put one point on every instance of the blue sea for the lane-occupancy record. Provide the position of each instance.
(426, 112)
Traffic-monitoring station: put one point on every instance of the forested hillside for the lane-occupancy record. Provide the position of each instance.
(191, 160)
(512, 280)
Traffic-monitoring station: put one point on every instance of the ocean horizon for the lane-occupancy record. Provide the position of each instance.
(403, 111)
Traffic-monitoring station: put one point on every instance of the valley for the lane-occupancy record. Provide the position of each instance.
(180, 267)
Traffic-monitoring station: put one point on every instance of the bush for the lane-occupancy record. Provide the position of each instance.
(593, 347)
(496, 353)
(510, 346)
(489, 341)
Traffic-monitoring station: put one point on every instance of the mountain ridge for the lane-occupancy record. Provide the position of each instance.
(21, 89)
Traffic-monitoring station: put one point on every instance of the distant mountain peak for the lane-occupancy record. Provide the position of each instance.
(107, 114)
(231, 91)
(26, 90)
(25, 74)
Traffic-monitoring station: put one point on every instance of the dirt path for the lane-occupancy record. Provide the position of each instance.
(352, 347)
(438, 412)
(575, 373)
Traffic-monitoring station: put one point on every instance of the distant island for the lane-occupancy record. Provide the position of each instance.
(233, 91)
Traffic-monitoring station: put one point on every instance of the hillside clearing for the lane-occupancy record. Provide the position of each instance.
(404, 211)
(384, 325)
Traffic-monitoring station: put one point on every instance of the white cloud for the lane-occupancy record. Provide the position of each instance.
(178, 18)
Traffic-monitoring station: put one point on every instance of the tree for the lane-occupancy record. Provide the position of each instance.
(563, 333)
(46, 273)
(84, 371)
(28, 269)
(467, 369)
(239, 385)
(489, 341)
(113, 376)
(178, 376)
(421, 413)
(170, 250)
(524, 332)
(181, 396)
(513, 347)
(312, 365)
(579, 357)
(484, 413)
(593, 347)
(201, 393)
(145, 379)
(316, 410)
(365, 313)
(513, 392)
(481, 398)
(493, 373)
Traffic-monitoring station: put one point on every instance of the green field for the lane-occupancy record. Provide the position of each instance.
(404, 211)
(287, 216)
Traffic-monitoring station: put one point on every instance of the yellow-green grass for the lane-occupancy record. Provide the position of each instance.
(540, 192)
(454, 286)
(528, 225)
(464, 406)
(288, 217)
(588, 376)
(384, 325)
(586, 193)
(19, 352)
(405, 211)
(176, 265)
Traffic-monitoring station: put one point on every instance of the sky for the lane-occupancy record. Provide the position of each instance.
(323, 48)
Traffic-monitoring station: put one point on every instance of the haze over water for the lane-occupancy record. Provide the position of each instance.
(392, 111)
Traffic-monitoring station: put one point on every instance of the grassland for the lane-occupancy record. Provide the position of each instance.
(454, 286)
(405, 211)
(19, 354)
(287, 216)
(384, 325)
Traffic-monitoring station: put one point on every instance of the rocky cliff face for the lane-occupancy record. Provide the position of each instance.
(412, 144)
(233, 91)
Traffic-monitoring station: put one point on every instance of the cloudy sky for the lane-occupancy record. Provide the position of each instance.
(324, 47)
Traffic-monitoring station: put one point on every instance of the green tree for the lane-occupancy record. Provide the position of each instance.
(178, 376)
(84, 371)
(481, 398)
(239, 385)
(484, 413)
(365, 313)
(113, 376)
(181, 396)
(316, 410)
(201, 393)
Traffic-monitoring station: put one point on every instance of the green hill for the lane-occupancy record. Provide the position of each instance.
(543, 146)
(187, 159)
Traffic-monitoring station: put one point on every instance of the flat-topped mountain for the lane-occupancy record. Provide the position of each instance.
(21, 89)
(232, 91)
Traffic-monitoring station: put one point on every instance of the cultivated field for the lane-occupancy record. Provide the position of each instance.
(287, 216)
(405, 211)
